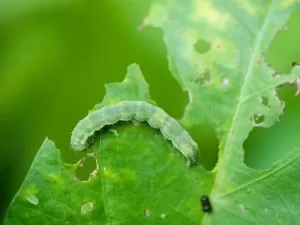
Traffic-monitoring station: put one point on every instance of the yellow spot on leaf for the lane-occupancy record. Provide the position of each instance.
(229, 188)
(57, 179)
(223, 51)
(113, 101)
(128, 174)
(288, 3)
(251, 8)
(205, 11)
(111, 175)
(31, 190)
(157, 16)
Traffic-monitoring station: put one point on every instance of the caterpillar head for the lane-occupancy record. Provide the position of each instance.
(194, 154)
(78, 146)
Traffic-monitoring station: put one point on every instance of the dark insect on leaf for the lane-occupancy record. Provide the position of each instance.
(294, 64)
(206, 206)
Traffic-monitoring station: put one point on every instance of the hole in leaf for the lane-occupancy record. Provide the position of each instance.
(204, 77)
(87, 167)
(265, 146)
(202, 46)
(243, 208)
(258, 119)
(264, 100)
(32, 199)
(208, 143)
(225, 81)
(158, 75)
(163, 216)
(284, 49)
(147, 213)
(86, 207)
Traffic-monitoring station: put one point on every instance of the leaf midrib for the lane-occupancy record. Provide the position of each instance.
(222, 163)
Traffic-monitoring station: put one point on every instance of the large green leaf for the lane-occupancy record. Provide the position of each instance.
(232, 88)
(140, 177)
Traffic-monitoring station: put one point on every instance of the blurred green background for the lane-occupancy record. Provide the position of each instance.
(56, 56)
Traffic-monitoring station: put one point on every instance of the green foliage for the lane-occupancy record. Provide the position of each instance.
(230, 99)
(140, 178)
(134, 181)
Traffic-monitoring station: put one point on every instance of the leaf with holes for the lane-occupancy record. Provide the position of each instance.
(231, 87)
(140, 178)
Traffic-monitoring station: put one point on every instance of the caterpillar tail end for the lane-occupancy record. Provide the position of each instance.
(192, 162)
(193, 159)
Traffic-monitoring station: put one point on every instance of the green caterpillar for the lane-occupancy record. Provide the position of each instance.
(140, 111)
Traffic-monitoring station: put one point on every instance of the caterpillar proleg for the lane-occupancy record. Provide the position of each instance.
(140, 111)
